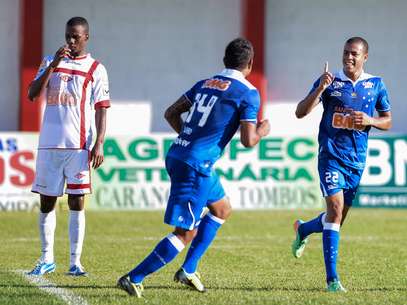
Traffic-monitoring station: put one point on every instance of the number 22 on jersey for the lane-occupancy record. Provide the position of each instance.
(199, 107)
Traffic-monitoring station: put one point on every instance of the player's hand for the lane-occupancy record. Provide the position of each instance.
(361, 120)
(61, 53)
(326, 78)
(96, 155)
(263, 128)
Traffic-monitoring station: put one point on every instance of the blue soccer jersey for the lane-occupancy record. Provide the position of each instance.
(338, 137)
(218, 104)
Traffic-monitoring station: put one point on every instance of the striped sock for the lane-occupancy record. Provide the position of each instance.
(207, 230)
(165, 251)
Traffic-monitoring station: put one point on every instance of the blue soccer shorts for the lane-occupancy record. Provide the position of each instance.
(190, 193)
(334, 177)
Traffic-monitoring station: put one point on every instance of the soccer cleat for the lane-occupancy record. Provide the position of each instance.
(335, 286)
(76, 270)
(298, 245)
(130, 287)
(42, 268)
(190, 279)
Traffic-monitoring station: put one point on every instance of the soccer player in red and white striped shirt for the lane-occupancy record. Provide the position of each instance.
(73, 84)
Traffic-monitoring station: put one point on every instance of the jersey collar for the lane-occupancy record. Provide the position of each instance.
(232, 73)
(363, 76)
(237, 75)
(79, 57)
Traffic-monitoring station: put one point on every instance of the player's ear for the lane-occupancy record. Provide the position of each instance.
(250, 63)
(365, 57)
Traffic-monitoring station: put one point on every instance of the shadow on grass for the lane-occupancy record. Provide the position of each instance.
(219, 288)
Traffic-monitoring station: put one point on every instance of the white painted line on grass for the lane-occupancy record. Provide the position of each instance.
(43, 284)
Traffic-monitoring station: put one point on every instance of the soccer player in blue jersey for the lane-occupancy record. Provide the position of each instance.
(350, 98)
(217, 107)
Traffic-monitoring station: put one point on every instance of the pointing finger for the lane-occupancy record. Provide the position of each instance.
(326, 67)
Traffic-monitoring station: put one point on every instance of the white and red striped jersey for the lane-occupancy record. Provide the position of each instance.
(75, 87)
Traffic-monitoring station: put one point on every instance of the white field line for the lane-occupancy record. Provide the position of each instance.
(43, 284)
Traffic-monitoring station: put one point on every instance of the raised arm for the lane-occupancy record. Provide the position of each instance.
(306, 105)
(38, 85)
(173, 113)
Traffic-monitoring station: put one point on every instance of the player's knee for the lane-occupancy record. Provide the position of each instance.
(186, 236)
(46, 208)
(47, 203)
(76, 202)
(222, 210)
(335, 213)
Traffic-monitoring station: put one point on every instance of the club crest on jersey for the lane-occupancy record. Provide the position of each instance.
(336, 93)
(216, 83)
(367, 85)
(337, 85)
(65, 77)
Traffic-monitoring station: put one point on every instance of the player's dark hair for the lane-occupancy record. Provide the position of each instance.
(78, 21)
(361, 40)
(238, 54)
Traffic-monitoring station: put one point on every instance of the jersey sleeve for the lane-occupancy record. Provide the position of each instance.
(315, 86)
(190, 94)
(100, 88)
(44, 65)
(382, 103)
(249, 106)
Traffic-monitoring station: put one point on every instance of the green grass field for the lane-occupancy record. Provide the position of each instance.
(250, 262)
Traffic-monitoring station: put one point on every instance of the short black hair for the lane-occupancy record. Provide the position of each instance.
(238, 53)
(361, 40)
(78, 21)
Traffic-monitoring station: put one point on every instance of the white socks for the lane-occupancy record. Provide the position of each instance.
(47, 224)
(76, 235)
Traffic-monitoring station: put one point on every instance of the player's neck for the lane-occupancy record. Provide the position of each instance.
(353, 76)
(80, 54)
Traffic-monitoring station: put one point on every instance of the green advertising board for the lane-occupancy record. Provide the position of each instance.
(384, 179)
(280, 172)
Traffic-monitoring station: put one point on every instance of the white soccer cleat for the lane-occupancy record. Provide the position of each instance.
(192, 280)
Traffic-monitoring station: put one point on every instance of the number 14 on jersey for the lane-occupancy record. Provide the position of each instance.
(199, 107)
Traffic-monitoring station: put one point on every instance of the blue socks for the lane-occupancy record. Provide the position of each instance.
(165, 251)
(330, 241)
(313, 226)
(169, 247)
(206, 234)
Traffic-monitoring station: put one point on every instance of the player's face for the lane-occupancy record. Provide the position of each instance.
(76, 38)
(354, 56)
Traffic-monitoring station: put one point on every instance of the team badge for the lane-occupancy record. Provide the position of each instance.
(367, 85)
